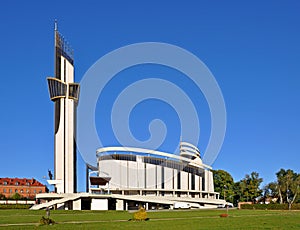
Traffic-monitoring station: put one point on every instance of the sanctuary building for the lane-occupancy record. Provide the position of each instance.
(125, 177)
(137, 171)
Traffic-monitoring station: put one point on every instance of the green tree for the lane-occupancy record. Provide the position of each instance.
(16, 196)
(2, 196)
(270, 191)
(223, 183)
(287, 186)
(248, 188)
(238, 189)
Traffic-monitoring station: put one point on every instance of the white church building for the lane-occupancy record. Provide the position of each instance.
(125, 177)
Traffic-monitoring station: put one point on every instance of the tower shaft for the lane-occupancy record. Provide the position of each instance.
(64, 93)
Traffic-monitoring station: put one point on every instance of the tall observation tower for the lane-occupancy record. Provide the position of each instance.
(64, 93)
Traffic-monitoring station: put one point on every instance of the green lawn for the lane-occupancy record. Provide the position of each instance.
(202, 219)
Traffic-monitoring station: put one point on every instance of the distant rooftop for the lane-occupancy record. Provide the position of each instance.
(20, 181)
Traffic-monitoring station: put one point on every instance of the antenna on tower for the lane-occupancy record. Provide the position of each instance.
(55, 25)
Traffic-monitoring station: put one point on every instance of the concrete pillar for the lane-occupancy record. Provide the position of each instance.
(120, 205)
(77, 204)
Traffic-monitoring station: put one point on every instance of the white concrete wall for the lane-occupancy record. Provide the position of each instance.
(64, 138)
(158, 176)
(210, 182)
(206, 181)
(120, 205)
(59, 151)
(132, 174)
(150, 176)
(200, 183)
(77, 204)
(129, 174)
(184, 180)
(168, 178)
(175, 175)
(69, 171)
(99, 204)
(112, 168)
(123, 174)
(69, 134)
(196, 182)
(140, 173)
(17, 201)
(115, 173)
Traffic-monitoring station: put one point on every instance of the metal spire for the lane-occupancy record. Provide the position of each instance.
(55, 25)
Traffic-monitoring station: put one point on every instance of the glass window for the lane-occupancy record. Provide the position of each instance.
(74, 91)
(5, 182)
(10, 190)
(57, 88)
(16, 190)
(4, 190)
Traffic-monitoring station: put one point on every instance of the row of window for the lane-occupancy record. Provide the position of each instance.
(21, 191)
(58, 89)
(16, 183)
(122, 157)
(156, 161)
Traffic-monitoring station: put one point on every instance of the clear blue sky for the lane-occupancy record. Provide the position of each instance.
(252, 49)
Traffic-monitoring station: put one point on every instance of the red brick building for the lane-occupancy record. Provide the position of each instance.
(25, 187)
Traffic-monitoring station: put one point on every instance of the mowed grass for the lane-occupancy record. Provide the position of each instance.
(200, 219)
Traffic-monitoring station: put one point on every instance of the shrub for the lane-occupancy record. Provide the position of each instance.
(272, 206)
(46, 221)
(2, 196)
(140, 215)
(16, 196)
(15, 206)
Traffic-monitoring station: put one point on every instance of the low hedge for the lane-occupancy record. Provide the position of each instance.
(270, 206)
(15, 206)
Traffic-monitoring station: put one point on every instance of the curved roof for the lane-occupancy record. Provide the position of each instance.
(195, 162)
